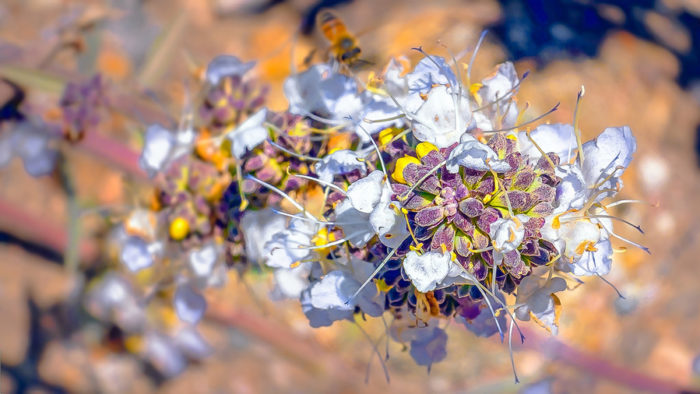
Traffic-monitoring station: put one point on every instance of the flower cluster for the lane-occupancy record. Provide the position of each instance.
(420, 195)
(445, 206)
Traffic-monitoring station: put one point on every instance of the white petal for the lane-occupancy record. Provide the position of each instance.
(428, 72)
(355, 224)
(191, 342)
(474, 155)
(321, 317)
(377, 107)
(189, 304)
(427, 270)
(325, 92)
(286, 248)
(558, 138)
(389, 225)
(135, 254)
(443, 118)
(535, 296)
(339, 163)
(334, 291)
(500, 84)
(303, 93)
(594, 263)
(365, 193)
(572, 190)
(225, 66)
(576, 233)
(202, 260)
(290, 282)
(248, 134)
(613, 147)
(164, 355)
(506, 235)
(258, 228)
(394, 81)
(158, 145)
(31, 142)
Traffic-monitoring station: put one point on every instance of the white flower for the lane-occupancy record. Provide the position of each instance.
(189, 304)
(258, 228)
(572, 191)
(365, 193)
(113, 299)
(203, 260)
(500, 85)
(158, 145)
(331, 298)
(557, 138)
(507, 234)
(163, 354)
(426, 271)
(248, 134)
(224, 66)
(613, 148)
(322, 91)
(474, 155)
(594, 262)
(355, 224)
(443, 117)
(430, 71)
(537, 300)
(162, 146)
(290, 282)
(389, 225)
(207, 266)
(321, 317)
(290, 245)
(499, 109)
(395, 83)
(339, 163)
(376, 108)
(191, 343)
(31, 141)
(137, 254)
(368, 210)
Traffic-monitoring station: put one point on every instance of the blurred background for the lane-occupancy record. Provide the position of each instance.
(639, 62)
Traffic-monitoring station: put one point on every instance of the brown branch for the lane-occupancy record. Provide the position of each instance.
(559, 351)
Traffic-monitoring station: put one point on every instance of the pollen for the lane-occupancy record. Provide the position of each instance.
(388, 134)
(339, 141)
(401, 164)
(424, 148)
(323, 237)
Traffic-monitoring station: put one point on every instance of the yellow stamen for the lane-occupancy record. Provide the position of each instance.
(401, 164)
(424, 148)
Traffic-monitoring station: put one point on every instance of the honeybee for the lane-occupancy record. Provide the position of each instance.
(344, 46)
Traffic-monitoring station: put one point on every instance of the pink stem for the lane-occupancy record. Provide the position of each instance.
(40, 231)
(114, 152)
